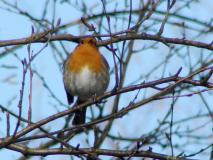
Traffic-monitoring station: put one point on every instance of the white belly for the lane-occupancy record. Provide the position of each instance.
(85, 79)
(86, 83)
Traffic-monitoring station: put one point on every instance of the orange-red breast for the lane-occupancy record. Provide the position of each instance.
(86, 73)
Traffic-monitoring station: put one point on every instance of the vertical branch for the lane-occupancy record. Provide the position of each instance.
(144, 17)
(31, 76)
(107, 128)
(30, 97)
(24, 65)
(124, 42)
(30, 90)
(111, 44)
(8, 123)
(99, 139)
(169, 6)
(54, 8)
(171, 123)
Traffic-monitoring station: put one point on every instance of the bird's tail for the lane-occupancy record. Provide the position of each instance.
(80, 115)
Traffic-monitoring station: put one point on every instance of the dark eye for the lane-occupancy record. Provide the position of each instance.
(81, 41)
(92, 41)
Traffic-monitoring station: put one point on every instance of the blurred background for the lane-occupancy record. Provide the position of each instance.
(176, 124)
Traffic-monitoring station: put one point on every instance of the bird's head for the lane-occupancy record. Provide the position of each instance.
(88, 40)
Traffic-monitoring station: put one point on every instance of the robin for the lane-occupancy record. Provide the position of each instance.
(86, 73)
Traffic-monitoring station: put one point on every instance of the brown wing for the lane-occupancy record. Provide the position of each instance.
(70, 98)
(105, 62)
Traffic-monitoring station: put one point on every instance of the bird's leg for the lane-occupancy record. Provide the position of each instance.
(94, 97)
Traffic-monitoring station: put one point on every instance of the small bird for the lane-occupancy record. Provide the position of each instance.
(86, 73)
